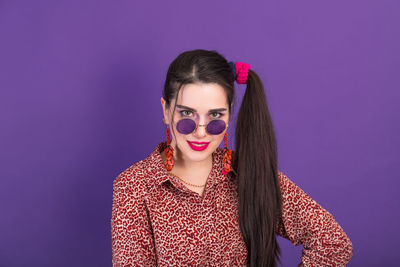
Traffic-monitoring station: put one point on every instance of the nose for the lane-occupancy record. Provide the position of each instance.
(201, 129)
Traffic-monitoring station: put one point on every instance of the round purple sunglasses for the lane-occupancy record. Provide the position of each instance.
(188, 126)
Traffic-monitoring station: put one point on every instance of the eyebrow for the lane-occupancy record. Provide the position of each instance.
(211, 110)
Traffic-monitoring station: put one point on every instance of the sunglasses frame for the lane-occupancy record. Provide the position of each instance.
(204, 125)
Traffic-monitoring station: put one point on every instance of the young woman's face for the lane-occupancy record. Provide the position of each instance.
(201, 102)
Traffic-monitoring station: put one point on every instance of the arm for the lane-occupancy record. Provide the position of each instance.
(132, 241)
(305, 222)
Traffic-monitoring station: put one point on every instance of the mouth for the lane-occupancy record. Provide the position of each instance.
(198, 146)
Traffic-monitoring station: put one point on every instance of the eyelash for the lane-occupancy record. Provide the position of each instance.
(219, 114)
(183, 113)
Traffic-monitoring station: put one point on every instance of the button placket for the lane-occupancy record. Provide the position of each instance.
(215, 205)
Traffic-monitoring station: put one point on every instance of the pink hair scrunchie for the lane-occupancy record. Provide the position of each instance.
(242, 71)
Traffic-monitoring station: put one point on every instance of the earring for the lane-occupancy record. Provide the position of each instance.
(169, 153)
(227, 156)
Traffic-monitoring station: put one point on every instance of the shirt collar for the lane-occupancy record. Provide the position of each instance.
(159, 174)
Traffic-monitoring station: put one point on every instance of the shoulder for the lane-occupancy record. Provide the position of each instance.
(284, 181)
(136, 170)
(141, 175)
(295, 198)
(136, 178)
(131, 180)
(288, 187)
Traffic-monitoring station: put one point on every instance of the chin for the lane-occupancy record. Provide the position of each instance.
(199, 155)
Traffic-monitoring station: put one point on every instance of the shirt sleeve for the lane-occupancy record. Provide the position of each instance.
(304, 221)
(131, 233)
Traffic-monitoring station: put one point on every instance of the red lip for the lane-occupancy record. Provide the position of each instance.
(199, 143)
(198, 148)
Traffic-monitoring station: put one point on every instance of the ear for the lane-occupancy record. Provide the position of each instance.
(165, 111)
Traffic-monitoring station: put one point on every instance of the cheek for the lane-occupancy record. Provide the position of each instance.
(219, 138)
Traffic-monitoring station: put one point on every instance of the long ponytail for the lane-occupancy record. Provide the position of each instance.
(255, 162)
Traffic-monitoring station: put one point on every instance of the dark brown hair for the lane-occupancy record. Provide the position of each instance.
(255, 156)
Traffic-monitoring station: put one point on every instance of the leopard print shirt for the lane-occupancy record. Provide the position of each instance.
(157, 221)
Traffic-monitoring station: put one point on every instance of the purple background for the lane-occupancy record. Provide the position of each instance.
(80, 87)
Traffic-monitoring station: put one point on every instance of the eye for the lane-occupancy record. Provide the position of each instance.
(186, 113)
(216, 114)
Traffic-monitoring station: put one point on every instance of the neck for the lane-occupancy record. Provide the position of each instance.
(194, 166)
(184, 165)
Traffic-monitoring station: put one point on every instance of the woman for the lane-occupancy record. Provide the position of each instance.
(191, 203)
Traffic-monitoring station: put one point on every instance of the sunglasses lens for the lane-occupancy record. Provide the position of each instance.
(216, 127)
(185, 126)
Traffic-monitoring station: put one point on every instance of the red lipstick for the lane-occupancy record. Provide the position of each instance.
(198, 146)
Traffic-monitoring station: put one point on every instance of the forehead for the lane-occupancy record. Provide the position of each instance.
(203, 96)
